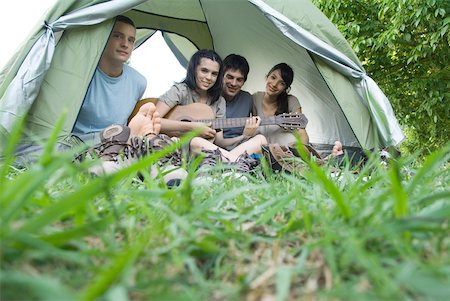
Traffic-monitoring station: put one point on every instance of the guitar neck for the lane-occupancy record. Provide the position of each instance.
(225, 123)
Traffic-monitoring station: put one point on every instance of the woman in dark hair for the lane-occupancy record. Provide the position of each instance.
(193, 78)
(203, 84)
(276, 100)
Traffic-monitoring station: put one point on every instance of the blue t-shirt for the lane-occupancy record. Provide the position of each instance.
(240, 106)
(109, 100)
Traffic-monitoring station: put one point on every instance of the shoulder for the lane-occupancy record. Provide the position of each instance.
(177, 94)
(221, 102)
(221, 107)
(292, 98)
(294, 104)
(245, 93)
(131, 71)
(179, 89)
(134, 74)
(243, 97)
(258, 94)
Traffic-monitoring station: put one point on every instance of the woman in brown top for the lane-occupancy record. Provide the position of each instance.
(275, 100)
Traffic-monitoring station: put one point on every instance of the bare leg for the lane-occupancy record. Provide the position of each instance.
(198, 143)
(251, 146)
(146, 122)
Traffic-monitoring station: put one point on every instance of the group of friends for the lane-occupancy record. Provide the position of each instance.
(103, 121)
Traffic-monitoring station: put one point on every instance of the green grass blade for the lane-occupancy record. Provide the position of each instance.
(400, 195)
(432, 163)
(65, 204)
(105, 279)
(32, 287)
(18, 192)
(61, 237)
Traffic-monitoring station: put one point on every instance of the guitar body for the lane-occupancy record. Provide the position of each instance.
(191, 112)
(188, 113)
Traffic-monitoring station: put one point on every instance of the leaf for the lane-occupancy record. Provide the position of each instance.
(444, 30)
(101, 283)
(17, 193)
(65, 204)
(440, 208)
(64, 236)
(43, 287)
(426, 281)
(283, 282)
(407, 37)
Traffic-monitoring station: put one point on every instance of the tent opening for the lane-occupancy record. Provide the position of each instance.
(154, 60)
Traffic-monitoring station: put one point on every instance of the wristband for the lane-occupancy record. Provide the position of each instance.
(151, 133)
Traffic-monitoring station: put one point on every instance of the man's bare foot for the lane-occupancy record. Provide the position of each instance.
(337, 149)
(146, 122)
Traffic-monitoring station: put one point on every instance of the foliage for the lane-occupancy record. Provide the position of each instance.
(404, 46)
(381, 234)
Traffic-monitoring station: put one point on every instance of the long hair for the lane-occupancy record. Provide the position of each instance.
(287, 74)
(216, 90)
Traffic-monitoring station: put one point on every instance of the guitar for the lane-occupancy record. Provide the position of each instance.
(199, 112)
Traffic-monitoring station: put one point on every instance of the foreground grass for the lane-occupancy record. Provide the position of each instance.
(380, 234)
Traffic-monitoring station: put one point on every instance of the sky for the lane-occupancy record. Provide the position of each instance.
(153, 59)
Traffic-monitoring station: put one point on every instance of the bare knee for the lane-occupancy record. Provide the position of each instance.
(261, 138)
(196, 143)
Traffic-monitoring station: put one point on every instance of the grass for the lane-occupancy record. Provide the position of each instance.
(382, 234)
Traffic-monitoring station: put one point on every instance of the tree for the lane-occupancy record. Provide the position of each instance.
(404, 47)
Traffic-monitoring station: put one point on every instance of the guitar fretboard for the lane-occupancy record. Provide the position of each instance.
(225, 123)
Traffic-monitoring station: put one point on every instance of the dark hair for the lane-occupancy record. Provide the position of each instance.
(287, 74)
(216, 90)
(236, 62)
(123, 19)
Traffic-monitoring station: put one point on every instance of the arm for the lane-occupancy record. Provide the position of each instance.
(251, 125)
(295, 105)
(303, 136)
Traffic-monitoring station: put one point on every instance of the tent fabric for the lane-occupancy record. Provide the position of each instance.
(369, 92)
(25, 86)
(340, 100)
(73, 62)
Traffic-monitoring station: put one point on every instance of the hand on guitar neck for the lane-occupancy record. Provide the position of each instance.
(251, 126)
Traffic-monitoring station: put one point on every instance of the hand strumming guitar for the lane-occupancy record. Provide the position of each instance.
(251, 125)
(206, 131)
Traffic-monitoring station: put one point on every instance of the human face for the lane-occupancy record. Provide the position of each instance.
(275, 84)
(120, 43)
(233, 81)
(206, 74)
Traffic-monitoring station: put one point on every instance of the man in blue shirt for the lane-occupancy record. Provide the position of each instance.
(239, 104)
(110, 99)
(115, 87)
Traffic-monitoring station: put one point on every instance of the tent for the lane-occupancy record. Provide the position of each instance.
(51, 71)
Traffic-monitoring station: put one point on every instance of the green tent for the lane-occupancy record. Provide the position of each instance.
(51, 71)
